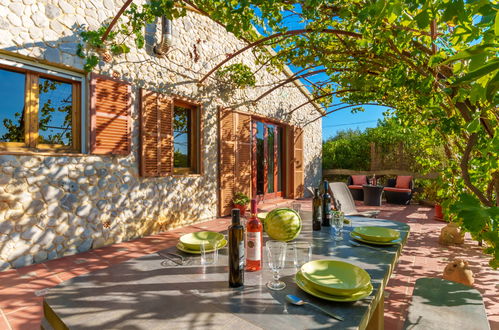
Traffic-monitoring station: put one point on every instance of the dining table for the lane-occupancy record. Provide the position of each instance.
(158, 291)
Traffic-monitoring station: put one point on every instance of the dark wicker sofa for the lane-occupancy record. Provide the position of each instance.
(356, 188)
(399, 193)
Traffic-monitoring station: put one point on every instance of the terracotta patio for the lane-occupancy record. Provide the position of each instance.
(21, 290)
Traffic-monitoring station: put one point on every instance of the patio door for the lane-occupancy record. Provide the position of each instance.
(267, 169)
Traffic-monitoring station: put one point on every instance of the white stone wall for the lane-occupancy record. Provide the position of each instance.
(51, 206)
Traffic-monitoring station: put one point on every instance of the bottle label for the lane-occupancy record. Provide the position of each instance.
(254, 250)
(241, 255)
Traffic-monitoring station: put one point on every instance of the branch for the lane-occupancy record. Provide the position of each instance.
(337, 109)
(321, 97)
(277, 35)
(115, 19)
(466, 175)
(290, 79)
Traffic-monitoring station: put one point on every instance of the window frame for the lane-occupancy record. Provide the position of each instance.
(31, 107)
(195, 141)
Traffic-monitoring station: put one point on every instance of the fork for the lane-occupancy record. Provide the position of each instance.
(169, 255)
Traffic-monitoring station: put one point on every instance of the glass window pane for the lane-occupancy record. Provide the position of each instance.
(279, 159)
(12, 89)
(182, 137)
(270, 159)
(54, 112)
(260, 158)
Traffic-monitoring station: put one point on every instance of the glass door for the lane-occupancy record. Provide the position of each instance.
(267, 160)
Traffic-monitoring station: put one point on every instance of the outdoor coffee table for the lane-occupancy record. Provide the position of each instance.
(149, 293)
(372, 194)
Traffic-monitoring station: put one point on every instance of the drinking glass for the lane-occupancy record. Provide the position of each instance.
(337, 226)
(209, 251)
(302, 252)
(296, 207)
(276, 256)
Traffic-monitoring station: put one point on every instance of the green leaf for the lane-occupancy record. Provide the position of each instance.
(492, 87)
(496, 25)
(423, 19)
(474, 125)
(470, 52)
(487, 68)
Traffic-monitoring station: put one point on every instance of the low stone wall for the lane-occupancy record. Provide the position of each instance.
(51, 206)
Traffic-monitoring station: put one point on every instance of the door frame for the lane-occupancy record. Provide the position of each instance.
(278, 142)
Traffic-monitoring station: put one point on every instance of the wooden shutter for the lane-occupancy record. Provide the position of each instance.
(110, 120)
(295, 174)
(234, 157)
(243, 154)
(227, 159)
(156, 134)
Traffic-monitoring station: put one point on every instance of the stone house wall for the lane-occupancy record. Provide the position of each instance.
(51, 206)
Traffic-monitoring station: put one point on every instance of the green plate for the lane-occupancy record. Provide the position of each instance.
(335, 277)
(360, 239)
(305, 286)
(377, 234)
(193, 241)
(183, 248)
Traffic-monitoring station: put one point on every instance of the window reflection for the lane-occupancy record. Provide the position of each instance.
(54, 112)
(12, 89)
(182, 136)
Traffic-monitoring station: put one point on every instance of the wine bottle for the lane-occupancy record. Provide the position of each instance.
(326, 206)
(254, 241)
(236, 251)
(316, 215)
(374, 180)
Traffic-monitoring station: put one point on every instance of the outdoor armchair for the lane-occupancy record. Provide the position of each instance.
(343, 201)
(399, 190)
(355, 183)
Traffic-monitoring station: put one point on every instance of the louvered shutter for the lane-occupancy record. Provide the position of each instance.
(235, 157)
(227, 160)
(297, 165)
(243, 154)
(156, 134)
(110, 121)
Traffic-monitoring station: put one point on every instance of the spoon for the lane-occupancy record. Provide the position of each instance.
(300, 302)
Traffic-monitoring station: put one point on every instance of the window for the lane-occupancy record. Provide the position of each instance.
(170, 136)
(38, 111)
(185, 138)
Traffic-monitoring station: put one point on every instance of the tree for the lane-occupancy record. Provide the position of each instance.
(434, 62)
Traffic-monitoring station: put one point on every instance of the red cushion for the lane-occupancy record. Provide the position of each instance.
(403, 181)
(355, 187)
(397, 189)
(359, 180)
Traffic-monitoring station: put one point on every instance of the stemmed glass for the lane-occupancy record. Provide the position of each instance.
(276, 256)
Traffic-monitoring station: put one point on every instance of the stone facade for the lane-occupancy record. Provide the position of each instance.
(51, 206)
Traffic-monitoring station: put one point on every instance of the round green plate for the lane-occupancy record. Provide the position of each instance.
(377, 234)
(335, 277)
(360, 239)
(183, 248)
(305, 286)
(193, 241)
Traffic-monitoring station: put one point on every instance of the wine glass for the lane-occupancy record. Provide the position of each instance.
(276, 256)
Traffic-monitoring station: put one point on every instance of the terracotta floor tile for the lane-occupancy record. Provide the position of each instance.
(27, 318)
(4, 324)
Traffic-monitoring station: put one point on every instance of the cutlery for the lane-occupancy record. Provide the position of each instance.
(173, 257)
(300, 302)
(364, 245)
